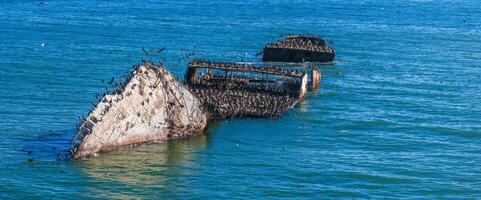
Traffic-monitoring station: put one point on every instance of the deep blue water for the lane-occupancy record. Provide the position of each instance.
(397, 116)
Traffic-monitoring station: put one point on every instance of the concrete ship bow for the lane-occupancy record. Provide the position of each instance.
(151, 106)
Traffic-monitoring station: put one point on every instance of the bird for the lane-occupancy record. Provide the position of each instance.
(160, 50)
(145, 51)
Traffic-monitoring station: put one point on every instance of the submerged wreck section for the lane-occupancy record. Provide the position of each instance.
(151, 105)
(299, 48)
(239, 90)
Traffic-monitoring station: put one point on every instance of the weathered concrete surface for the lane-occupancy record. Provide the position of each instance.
(152, 106)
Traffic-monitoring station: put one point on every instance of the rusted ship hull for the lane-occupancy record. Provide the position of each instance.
(295, 55)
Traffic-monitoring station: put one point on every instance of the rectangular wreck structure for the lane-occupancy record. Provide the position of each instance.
(240, 90)
(299, 48)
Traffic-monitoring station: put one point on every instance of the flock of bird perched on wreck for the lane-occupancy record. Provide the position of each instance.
(233, 89)
(224, 82)
(243, 67)
(226, 89)
(302, 42)
(242, 83)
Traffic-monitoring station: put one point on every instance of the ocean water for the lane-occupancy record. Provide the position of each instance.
(397, 116)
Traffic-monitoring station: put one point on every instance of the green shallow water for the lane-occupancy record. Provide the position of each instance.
(397, 115)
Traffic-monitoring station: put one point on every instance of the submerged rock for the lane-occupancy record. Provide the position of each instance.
(151, 106)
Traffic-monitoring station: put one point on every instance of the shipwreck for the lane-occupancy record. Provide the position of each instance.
(298, 48)
(152, 105)
(240, 90)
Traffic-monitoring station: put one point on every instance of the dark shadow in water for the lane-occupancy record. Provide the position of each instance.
(53, 145)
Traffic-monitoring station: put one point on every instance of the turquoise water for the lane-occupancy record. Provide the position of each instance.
(397, 116)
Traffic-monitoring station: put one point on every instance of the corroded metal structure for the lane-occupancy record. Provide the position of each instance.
(241, 90)
(299, 48)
